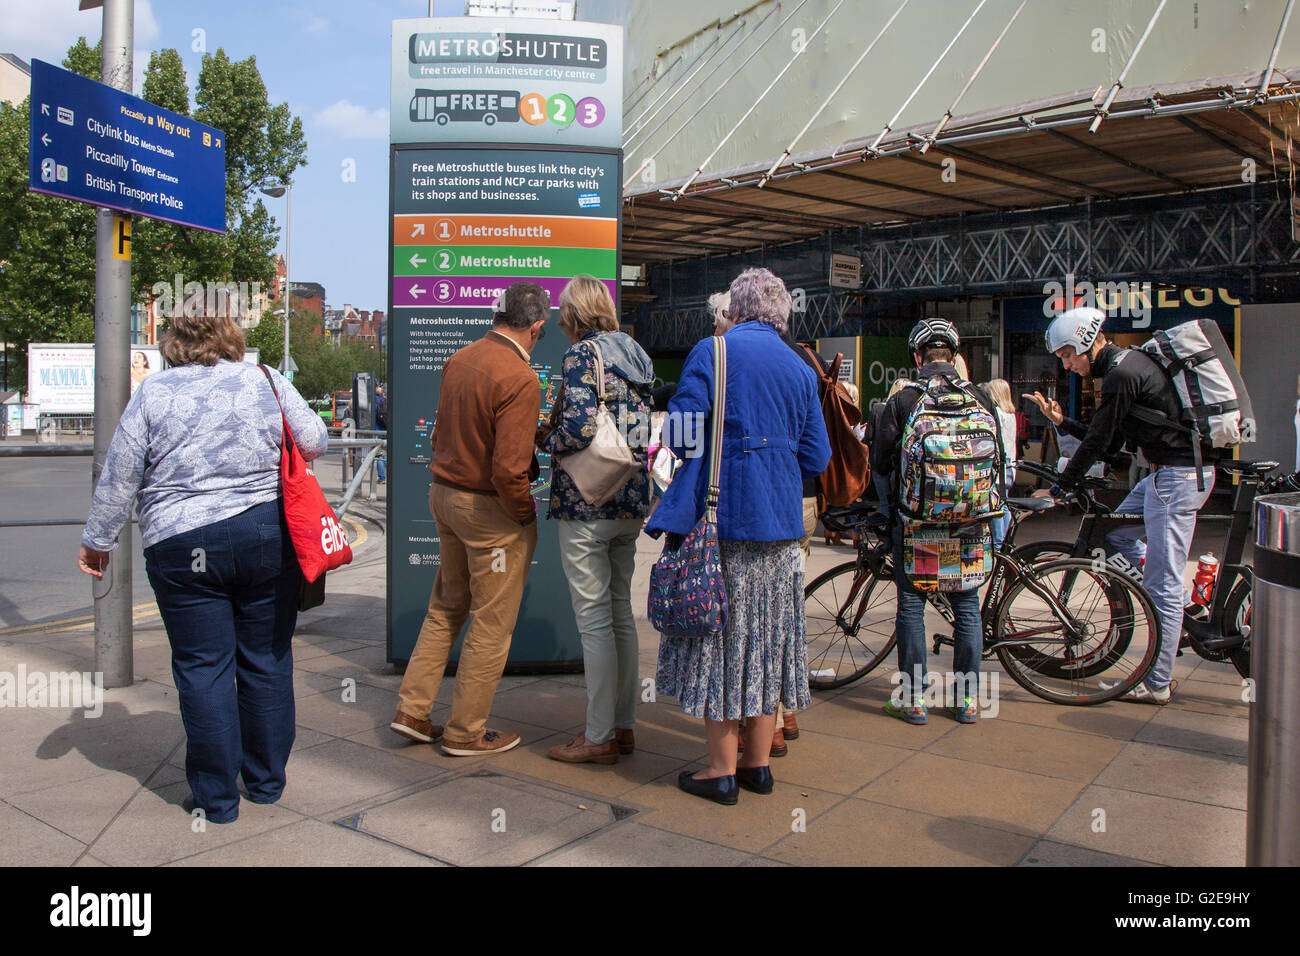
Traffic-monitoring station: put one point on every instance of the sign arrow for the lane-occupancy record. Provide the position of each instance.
(416, 291)
(45, 139)
(418, 230)
(418, 260)
(45, 109)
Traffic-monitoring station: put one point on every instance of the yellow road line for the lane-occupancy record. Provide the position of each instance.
(357, 537)
(135, 619)
(65, 621)
(361, 534)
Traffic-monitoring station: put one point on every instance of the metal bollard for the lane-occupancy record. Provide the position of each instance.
(1273, 780)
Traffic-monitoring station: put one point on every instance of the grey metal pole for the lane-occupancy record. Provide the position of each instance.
(1266, 77)
(1273, 770)
(1104, 110)
(112, 594)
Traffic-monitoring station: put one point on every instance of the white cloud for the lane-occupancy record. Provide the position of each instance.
(346, 120)
(317, 24)
(44, 29)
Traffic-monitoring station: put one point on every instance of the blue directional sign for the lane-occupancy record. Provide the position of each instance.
(95, 144)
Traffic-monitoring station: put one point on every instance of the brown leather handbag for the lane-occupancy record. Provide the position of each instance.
(848, 475)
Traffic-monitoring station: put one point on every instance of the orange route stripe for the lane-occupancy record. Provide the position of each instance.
(573, 232)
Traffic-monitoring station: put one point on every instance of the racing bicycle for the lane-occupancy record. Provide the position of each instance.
(1223, 632)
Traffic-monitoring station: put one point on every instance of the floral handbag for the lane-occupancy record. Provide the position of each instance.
(688, 597)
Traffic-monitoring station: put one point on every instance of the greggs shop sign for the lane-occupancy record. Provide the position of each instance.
(1129, 306)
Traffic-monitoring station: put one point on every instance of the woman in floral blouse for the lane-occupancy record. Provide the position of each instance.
(598, 543)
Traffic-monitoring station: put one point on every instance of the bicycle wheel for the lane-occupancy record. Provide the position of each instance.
(849, 613)
(1236, 617)
(1122, 617)
(1106, 643)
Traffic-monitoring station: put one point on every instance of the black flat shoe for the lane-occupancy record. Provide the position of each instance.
(718, 789)
(755, 779)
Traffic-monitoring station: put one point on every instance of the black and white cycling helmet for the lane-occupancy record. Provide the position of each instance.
(933, 333)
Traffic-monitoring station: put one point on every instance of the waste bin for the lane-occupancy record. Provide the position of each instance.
(1272, 807)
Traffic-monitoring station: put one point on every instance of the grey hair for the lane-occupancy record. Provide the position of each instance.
(757, 295)
(522, 304)
(719, 302)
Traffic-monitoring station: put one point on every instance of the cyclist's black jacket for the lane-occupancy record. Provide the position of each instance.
(1130, 378)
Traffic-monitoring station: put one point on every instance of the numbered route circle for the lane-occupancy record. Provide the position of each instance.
(444, 230)
(532, 108)
(561, 109)
(444, 291)
(591, 111)
(444, 260)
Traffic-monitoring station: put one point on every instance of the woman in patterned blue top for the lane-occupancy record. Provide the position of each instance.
(598, 542)
(198, 450)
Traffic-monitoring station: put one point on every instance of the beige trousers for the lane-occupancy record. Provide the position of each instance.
(485, 558)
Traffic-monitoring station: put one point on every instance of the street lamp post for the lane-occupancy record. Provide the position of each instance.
(275, 191)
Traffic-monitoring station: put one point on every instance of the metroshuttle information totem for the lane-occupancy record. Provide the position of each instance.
(505, 165)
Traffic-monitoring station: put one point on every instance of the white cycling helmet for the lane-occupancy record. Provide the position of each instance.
(1077, 327)
(934, 332)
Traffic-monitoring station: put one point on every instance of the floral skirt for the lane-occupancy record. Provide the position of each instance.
(761, 657)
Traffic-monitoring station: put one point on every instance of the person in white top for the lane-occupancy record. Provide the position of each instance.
(1297, 427)
(1000, 393)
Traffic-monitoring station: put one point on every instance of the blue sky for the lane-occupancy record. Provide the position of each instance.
(328, 59)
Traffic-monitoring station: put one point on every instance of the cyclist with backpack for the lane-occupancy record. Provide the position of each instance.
(1139, 404)
(938, 439)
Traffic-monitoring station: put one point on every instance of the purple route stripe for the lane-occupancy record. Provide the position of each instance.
(480, 291)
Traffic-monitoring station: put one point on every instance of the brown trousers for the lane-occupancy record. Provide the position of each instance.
(485, 559)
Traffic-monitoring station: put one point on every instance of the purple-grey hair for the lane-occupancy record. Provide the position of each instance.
(757, 295)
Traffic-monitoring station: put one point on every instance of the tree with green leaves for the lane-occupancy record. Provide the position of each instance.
(47, 245)
(322, 367)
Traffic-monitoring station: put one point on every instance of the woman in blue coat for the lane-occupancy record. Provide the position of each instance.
(773, 438)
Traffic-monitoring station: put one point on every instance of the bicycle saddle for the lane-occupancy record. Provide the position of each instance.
(1253, 467)
(1031, 504)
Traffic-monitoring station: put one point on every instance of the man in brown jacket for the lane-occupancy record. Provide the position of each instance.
(483, 461)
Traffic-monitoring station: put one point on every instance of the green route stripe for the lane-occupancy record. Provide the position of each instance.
(503, 260)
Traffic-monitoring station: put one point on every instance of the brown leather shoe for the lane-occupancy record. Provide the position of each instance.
(491, 742)
(790, 729)
(626, 740)
(581, 750)
(413, 728)
(779, 747)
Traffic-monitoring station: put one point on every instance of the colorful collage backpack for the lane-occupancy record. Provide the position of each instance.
(950, 486)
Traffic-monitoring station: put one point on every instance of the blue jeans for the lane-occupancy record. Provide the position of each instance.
(381, 463)
(228, 595)
(598, 558)
(881, 484)
(909, 625)
(998, 527)
(1168, 501)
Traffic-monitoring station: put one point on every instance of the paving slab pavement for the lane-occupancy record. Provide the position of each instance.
(1039, 785)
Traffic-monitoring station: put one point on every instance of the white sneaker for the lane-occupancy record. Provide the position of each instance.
(1143, 694)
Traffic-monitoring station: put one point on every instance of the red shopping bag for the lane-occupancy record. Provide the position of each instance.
(318, 537)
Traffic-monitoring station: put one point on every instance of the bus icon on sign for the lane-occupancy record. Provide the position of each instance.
(465, 106)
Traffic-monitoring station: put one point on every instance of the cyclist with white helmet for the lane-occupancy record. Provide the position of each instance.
(1168, 498)
(933, 343)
